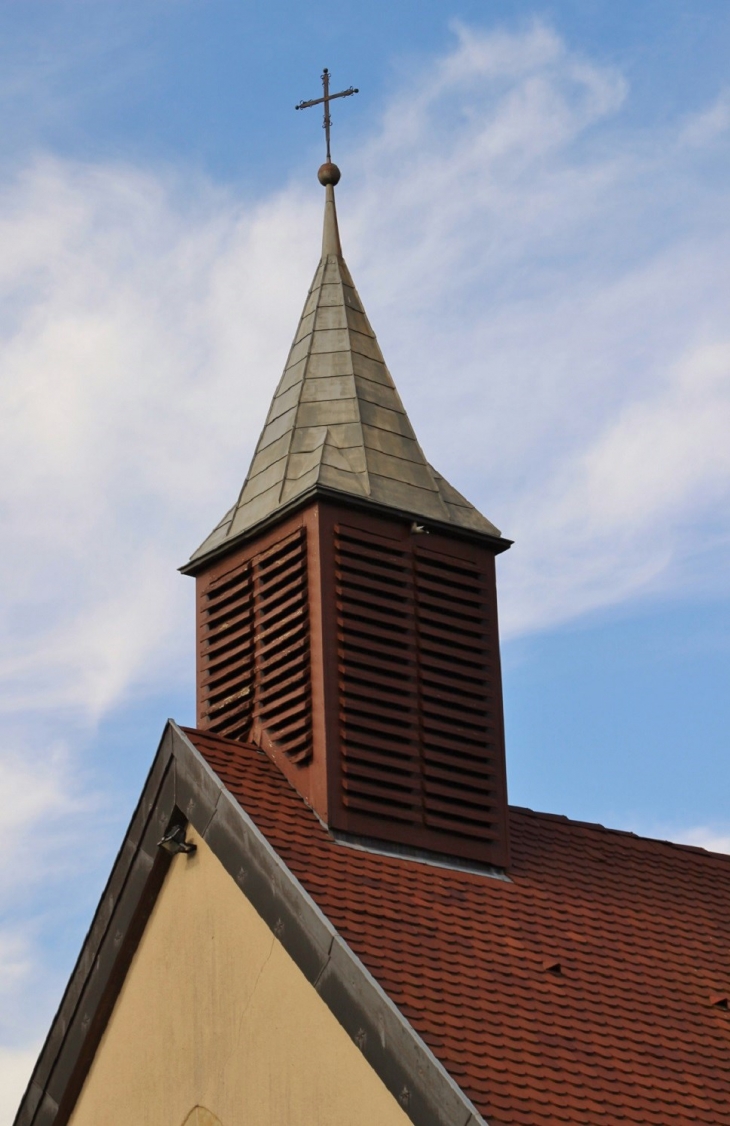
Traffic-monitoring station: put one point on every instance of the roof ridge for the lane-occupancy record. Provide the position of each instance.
(237, 744)
(596, 825)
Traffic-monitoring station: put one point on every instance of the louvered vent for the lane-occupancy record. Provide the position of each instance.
(378, 677)
(456, 685)
(419, 742)
(227, 653)
(255, 657)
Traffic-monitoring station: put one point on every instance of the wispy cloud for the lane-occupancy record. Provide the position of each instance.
(16, 1065)
(42, 846)
(139, 336)
(553, 307)
(703, 129)
(705, 836)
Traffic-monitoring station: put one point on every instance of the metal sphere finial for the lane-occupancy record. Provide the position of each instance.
(329, 173)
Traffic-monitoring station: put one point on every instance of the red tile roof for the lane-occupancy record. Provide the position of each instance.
(580, 992)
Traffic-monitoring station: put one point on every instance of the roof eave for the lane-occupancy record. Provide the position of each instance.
(497, 544)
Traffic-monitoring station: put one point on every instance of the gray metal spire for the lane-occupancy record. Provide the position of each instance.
(337, 423)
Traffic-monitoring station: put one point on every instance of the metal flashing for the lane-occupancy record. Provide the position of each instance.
(318, 491)
(416, 855)
(181, 784)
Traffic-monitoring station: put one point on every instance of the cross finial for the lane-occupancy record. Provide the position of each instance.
(325, 102)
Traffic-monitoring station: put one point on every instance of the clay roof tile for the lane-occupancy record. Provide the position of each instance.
(634, 1029)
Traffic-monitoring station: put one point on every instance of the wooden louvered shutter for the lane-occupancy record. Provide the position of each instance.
(456, 679)
(282, 703)
(255, 650)
(227, 653)
(420, 714)
(380, 767)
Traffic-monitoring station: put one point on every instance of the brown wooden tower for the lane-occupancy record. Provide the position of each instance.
(346, 604)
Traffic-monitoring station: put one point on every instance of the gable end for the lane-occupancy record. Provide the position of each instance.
(182, 786)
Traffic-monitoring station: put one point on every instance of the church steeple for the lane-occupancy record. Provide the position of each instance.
(336, 422)
(347, 614)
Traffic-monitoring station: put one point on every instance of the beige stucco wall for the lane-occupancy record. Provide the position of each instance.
(215, 1014)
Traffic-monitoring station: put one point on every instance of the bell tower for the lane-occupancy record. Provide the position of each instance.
(346, 603)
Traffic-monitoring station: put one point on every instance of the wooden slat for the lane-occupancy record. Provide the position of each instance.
(366, 611)
(377, 724)
(358, 651)
(382, 767)
(382, 676)
(358, 587)
(215, 679)
(444, 711)
(457, 764)
(356, 709)
(363, 741)
(447, 744)
(435, 675)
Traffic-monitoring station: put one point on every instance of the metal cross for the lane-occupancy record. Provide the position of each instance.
(326, 102)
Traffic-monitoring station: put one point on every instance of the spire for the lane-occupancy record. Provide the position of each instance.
(330, 230)
(329, 176)
(336, 423)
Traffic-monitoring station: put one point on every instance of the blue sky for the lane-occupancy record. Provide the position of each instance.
(534, 206)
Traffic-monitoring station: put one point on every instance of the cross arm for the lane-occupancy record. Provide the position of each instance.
(329, 98)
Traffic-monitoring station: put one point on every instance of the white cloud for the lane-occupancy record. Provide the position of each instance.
(124, 408)
(15, 962)
(702, 129)
(554, 310)
(16, 1065)
(40, 797)
(20, 975)
(713, 838)
(651, 479)
(47, 850)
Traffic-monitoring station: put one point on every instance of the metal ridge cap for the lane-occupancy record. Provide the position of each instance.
(326, 492)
